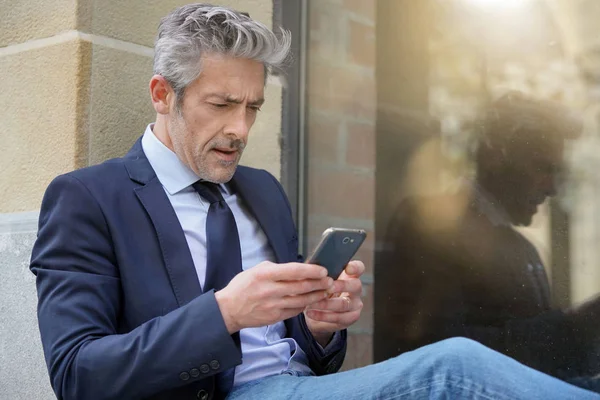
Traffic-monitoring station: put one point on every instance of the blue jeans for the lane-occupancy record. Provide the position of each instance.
(452, 369)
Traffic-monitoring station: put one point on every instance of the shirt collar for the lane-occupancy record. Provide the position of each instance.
(173, 174)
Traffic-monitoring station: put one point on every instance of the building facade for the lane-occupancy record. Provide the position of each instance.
(378, 105)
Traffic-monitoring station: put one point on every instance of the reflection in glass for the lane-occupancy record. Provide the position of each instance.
(447, 130)
(456, 266)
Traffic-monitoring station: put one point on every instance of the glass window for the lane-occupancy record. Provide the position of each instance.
(463, 137)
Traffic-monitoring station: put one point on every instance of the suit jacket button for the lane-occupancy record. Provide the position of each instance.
(202, 394)
(184, 376)
(204, 369)
(214, 364)
(194, 372)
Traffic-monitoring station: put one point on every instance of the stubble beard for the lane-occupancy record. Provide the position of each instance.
(224, 171)
(201, 157)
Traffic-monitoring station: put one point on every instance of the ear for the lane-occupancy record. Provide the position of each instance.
(162, 94)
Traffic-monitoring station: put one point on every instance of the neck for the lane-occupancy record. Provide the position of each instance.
(161, 131)
(485, 181)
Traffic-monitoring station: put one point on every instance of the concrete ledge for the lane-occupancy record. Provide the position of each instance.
(23, 222)
(23, 374)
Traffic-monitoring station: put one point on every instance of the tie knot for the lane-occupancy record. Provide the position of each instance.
(209, 191)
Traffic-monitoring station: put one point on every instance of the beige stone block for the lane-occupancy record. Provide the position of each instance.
(120, 102)
(42, 111)
(136, 21)
(24, 20)
(264, 147)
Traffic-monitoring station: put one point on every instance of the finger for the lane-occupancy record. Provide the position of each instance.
(294, 271)
(290, 313)
(339, 304)
(292, 288)
(344, 319)
(355, 268)
(302, 300)
(353, 286)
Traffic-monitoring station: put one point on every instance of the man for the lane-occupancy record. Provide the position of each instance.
(456, 266)
(173, 274)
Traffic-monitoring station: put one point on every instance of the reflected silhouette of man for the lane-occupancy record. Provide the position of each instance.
(456, 266)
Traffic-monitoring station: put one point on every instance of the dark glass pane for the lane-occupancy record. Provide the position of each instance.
(463, 136)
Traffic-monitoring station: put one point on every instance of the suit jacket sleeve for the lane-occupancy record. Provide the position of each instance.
(80, 303)
(321, 361)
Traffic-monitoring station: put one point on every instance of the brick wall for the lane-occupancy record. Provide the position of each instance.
(341, 109)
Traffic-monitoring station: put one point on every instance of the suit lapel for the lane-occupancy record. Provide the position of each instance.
(261, 204)
(176, 254)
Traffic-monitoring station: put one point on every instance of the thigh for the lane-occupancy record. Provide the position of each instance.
(451, 369)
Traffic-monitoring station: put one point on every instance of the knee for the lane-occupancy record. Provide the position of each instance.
(460, 345)
(461, 351)
(451, 358)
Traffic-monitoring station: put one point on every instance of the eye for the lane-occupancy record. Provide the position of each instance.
(219, 105)
(254, 108)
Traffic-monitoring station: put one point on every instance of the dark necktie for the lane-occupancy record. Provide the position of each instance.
(224, 255)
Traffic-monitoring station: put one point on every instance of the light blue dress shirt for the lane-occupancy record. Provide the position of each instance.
(266, 351)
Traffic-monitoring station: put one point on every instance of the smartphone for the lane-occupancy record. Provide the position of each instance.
(336, 249)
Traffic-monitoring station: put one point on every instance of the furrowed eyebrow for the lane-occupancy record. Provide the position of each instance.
(258, 102)
(231, 99)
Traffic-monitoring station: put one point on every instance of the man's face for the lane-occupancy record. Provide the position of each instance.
(210, 130)
(528, 179)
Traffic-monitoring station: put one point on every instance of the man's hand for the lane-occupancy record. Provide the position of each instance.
(342, 309)
(269, 293)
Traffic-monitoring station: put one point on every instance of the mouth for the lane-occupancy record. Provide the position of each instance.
(226, 154)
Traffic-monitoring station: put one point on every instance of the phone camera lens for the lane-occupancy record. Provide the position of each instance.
(346, 240)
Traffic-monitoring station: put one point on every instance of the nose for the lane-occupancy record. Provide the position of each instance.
(239, 124)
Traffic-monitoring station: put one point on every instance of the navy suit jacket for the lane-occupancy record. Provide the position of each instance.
(121, 312)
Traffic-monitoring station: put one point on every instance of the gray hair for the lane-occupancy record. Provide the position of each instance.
(191, 31)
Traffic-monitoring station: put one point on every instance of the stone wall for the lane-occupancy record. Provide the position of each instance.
(75, 93)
